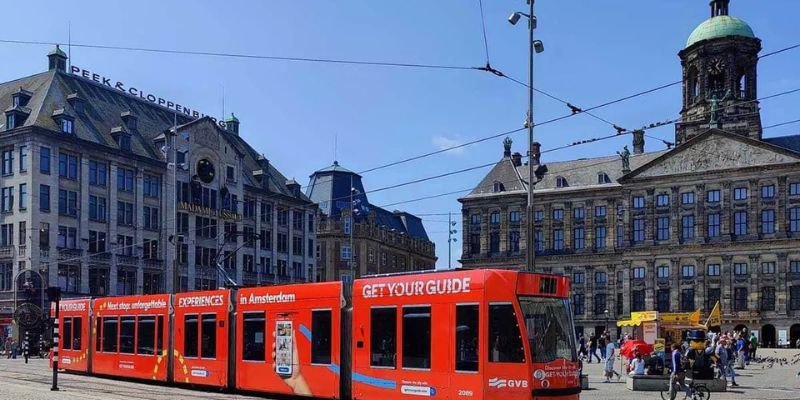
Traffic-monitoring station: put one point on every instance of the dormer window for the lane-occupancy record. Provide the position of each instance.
(66, 125)
(20, 98)
(603, 178)
(499, 187)
(561, 182)
(11, 121)
(130, 120)
(65, 122)
(122, 137)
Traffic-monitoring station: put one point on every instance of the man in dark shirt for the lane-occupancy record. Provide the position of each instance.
(593, 348)
(678, 377)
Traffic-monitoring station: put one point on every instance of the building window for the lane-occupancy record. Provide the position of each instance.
(620, 305)
(794, 298)
(767, 222)
(8, 162)
(23, 158)
(768, 267)
(713, 196)
(687, 300)
(66, 125)
(151, 185)
(513, 238)
(297, 220)
(68, 166)
(662, 300)
(6, 235)
(794, 219)
(98, 173)
(494, 218)
(662, 200)
(687, 271)
(600, 304)
(599, 211)
(297, 245)
(578, 239)
(97, 208)
(712, 297)
(714, 225)
(151, 220)
(538, 215)
(266, 213)
(578, 304)
(620, 235)
(602, 178)
(637, 300)
(600, 278)
(67, 237)
(740, 269)
(637, 202)
(345, 253)
(125, 179)
(687, 198)
(740, 223)
(11, 121)
(768, 298)
(347, 226)
(23, 196)
(578, 278)
(794, 267)
(283, 243)
(68, 203)
(97, 242)
(663, 228)
(69, 278)
(561, 182)
(768, 192)
(558, 214)
(687, 224)
(740, 299)
(7, 199)
(794, 189)
(514, 217)
(663, 271)
(44, 160)
(475, 243)
(125, 246)
(740, 193)
(558, 239)
(713, 270)
(599, 237)
(538, 238)
(230, 173)
(638, 272)
(150, 249)
(475, 219)
(494, 242)
(124, 213)
(578, 213)
(44, 235)
(638, 230)
(126, 283)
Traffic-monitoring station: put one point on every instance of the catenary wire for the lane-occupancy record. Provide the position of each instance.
(483, 25)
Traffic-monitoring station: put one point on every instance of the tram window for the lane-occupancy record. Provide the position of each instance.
(98, 326)
(321, 336)
(209, 340)
(467, 337)
(383, 327)
(549, 329)
(146, 333)
(77, 325)
(505, 342)
(190, 335)
(417, 337)
(66, 341)
(110, 326)
(253, 336)
(160, 335)
(126, 334)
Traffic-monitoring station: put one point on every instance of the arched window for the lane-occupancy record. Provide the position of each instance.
(561, 182)
(693, 85)
(741, 86)
(603, 178)
(499, 187)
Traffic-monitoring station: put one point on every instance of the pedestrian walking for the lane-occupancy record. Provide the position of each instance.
(7, 346)
(677, 379)
(582, 347)
(753, 345)
(609, 368)
(593, 348)
(601, 344)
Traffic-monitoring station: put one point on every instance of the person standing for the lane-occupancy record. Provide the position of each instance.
(9, 343)
(678, 375)
(601, 344)
(609, 353)
(582, 347)
(741, 349)
(753, 345)
(593, 348)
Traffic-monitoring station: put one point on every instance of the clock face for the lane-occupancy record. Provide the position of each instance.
(205, 171)
(716, 66)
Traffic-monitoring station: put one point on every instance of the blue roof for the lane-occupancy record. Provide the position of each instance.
(791, 142)
(330, 188)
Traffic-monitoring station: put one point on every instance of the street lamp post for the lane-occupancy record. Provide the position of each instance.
(450, 239)
(535, 46)
(606, 313)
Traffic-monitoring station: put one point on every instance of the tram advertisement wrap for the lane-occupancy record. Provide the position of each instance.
(556, 374)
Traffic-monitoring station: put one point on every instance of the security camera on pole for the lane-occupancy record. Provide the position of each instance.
(535, 46)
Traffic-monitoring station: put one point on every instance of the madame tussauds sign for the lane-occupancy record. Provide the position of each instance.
(142, 94)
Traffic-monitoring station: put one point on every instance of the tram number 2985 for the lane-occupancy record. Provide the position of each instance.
(462, 392)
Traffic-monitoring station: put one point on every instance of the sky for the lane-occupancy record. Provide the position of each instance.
(303, 115)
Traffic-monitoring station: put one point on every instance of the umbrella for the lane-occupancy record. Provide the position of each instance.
(629, 345)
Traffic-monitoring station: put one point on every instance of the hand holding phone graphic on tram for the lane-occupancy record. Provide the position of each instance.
(286, 359)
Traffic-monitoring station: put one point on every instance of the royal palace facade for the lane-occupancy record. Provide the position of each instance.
(110, 191)
(714, 218)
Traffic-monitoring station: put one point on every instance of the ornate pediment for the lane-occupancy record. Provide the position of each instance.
(715, 150)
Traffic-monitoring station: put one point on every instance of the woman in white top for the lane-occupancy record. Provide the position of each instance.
(609, 369)
(637, 365)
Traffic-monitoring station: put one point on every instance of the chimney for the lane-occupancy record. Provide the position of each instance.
(232, 124)
(507, 146)
(516, 158)
(638, 141)
(57, 59)
(537, 153)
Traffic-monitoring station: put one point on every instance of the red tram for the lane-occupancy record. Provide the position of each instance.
(447, 334)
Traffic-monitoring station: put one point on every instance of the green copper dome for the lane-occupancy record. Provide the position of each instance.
(719, 27)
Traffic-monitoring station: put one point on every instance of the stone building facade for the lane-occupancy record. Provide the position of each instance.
(379, 241)
(101, 195)
(716, 218)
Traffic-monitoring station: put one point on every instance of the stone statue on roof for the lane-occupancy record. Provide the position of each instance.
(714, 101)
(625, 155)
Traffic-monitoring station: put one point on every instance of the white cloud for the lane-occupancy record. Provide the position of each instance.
(441, 142)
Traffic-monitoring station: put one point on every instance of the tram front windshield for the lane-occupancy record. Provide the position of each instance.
(549, 327)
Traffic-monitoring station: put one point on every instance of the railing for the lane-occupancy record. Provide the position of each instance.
(69, 254)
(7, 252)
(22, 250)
(153, 263)
(127, 260)
(100, 258)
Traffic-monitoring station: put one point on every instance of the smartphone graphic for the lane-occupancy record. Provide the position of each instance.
(283, 348)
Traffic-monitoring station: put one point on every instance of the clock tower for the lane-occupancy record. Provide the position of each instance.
(719, 77)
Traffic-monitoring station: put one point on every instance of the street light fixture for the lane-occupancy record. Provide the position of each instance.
(535, 47)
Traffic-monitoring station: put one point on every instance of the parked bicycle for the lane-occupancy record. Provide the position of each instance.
(694, 391)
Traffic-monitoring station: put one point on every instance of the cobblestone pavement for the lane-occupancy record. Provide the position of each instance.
(19, 381)
(757, 381)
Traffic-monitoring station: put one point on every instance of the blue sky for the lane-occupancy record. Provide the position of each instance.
(291, 111)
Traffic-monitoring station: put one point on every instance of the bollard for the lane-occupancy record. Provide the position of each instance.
(54, 294)
(25, 347)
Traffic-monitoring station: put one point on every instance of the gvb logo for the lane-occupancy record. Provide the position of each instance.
(500, 383)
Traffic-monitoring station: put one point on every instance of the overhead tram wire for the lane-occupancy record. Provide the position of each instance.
(483, 25)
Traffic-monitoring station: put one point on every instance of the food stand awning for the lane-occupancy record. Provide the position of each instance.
(637, 317)
(665, 320)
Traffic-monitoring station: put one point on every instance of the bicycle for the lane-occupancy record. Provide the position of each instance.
(696, 391)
